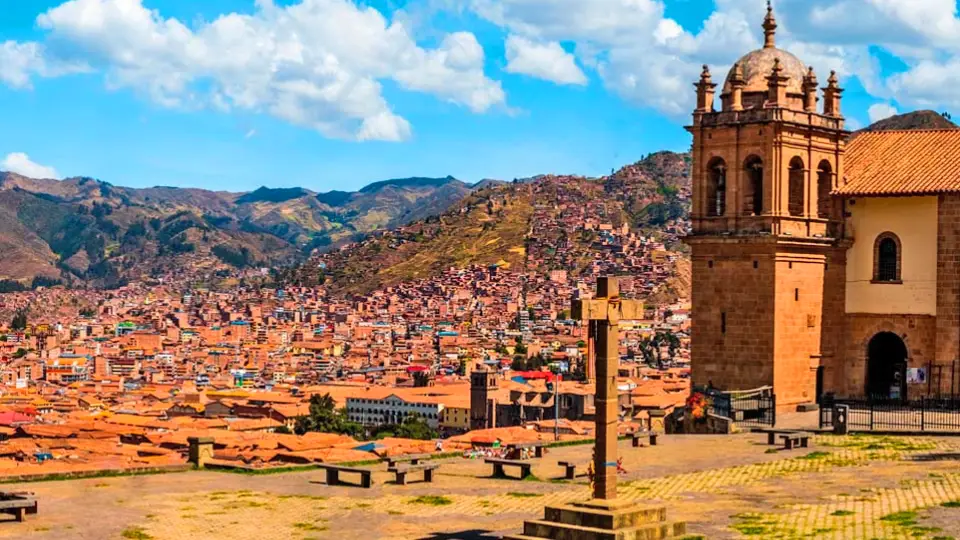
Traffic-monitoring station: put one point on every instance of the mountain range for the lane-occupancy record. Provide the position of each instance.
(86, 231)
(529, 224)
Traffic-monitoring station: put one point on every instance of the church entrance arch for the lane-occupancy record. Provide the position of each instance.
(887, 366)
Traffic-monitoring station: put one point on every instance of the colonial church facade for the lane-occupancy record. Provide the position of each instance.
(821, 263)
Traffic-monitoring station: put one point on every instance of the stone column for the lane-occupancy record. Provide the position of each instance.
(605, 464)
(201, 450)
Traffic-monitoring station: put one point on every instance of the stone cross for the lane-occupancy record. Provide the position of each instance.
(604, 313)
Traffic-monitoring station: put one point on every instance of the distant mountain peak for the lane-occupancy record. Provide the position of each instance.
(274, 195)
(416, 181)
(916, 120)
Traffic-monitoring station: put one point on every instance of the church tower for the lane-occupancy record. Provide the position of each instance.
(768, 259)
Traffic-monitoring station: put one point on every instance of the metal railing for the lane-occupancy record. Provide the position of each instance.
(885, 414)
(755, 408)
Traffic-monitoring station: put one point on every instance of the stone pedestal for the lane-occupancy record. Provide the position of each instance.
(602, 520)
(201, 450)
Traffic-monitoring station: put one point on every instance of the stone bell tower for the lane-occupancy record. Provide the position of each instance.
(768, 265)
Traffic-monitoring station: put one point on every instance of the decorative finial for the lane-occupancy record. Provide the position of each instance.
(705, 74)
(737, 72)
(769, 28)
(832, 81)
(811, 77)
(777, 68)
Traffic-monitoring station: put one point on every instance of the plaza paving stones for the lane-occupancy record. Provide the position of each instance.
(723, 486)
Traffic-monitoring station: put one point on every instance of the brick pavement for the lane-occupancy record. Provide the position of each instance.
(725, 487)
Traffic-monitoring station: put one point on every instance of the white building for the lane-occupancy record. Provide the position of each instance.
(392, 410)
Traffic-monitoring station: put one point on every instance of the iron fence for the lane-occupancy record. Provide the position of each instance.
(756, 409)
(885, 414)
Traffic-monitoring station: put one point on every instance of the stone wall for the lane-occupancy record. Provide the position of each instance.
(798, 313)
(832, 344)
(948, 284)
(732, 328)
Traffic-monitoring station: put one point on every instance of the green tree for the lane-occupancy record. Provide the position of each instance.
(415, 427)
(21, 352)
(19, 321)
(519, 363)
(324, 417)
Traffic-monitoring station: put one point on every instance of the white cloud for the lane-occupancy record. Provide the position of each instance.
(881, 111)
(19, 62)
(546, 61)
(649, 59)
(316, 63)
(20, 163)
(322, 64)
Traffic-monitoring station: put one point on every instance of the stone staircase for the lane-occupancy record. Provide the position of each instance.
(601, 520)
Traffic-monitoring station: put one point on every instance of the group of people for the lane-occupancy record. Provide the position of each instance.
(475, 453)
(501, 453)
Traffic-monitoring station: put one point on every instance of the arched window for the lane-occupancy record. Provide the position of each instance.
(795, 206)
(753, 186)
(717, 188)
(824, 187)
(886, 258)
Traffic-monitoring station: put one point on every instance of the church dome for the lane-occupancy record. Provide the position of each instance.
(757, 65)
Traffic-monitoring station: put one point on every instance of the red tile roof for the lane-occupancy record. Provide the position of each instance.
(902, 163)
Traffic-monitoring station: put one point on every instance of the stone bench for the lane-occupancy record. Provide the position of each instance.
(791, 440)
(401, 470)
(638, 436)
(18, 505)
(333, 474)
(498, 465)
(570, 469)
(413, 459)
(772, 433)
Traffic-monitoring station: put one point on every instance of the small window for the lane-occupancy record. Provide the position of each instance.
(717, 188)
(887, 258)
(723, 322)
(797, 179)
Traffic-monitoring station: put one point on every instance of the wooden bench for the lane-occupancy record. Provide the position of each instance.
(499, 464)
(571, 469)
(638, 436)
(413, 459)
(333, 474)
(401, 470)
(537, 447)
(791, 439)
(18, 505)
(772, 433)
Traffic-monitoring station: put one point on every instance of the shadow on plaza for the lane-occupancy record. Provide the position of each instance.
(463, 535)
(938, 456)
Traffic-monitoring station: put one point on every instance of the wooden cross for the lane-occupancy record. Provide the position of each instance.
(604, 313)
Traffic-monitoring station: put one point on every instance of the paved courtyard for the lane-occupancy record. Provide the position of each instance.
(723, 486)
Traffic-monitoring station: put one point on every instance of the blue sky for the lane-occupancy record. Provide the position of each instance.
(331, 94)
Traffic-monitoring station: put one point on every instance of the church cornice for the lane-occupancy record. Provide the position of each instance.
(782, 116)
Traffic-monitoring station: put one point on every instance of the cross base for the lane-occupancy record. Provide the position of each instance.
(602, 519)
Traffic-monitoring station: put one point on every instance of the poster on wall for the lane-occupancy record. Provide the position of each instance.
(916, 375)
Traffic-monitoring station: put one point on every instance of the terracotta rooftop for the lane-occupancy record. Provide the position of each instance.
(902, 163)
